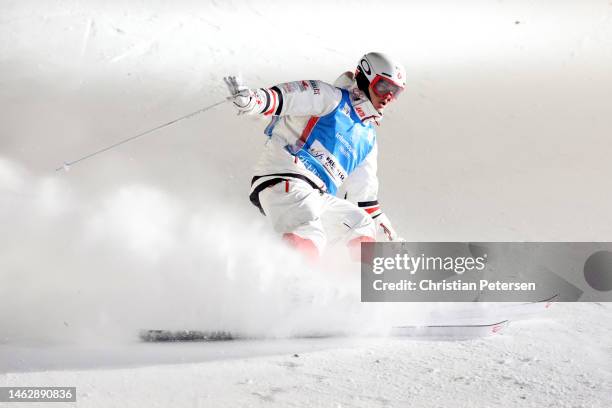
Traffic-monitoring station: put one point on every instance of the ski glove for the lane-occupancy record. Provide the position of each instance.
(241, 95)
(385, 231)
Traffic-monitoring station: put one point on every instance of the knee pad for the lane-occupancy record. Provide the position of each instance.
(304, 245)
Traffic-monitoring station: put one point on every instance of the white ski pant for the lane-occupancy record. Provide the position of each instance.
(293, 206)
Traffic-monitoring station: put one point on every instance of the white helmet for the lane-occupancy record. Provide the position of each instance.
(386, 75)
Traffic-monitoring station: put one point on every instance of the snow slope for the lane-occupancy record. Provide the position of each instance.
(560, 360)
(503, 134)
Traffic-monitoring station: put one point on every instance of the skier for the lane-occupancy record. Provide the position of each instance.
(316, 180)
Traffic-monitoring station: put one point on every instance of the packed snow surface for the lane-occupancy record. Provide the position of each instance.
(561, 359)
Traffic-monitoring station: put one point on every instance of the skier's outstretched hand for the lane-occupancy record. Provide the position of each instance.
(241, 95)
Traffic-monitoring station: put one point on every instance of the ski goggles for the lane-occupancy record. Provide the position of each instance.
(384, 86)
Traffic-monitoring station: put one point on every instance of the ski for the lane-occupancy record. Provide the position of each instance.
(161, 336)
(458, 331)
(496, 311)
(185, 335)
(450, 331)
(461, 327)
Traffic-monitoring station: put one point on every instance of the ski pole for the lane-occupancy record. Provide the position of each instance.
(66, 165)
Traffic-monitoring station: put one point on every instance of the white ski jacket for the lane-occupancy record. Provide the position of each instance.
(294, 108)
